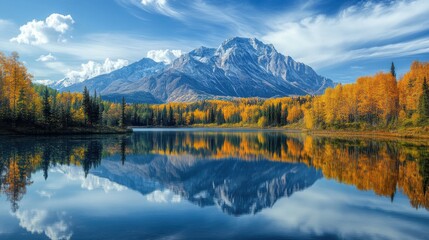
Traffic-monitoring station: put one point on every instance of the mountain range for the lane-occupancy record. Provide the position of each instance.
(239, 67)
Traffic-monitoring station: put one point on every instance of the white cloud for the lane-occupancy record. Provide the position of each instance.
(46, 82)
(44, 193)
(32, 220)
(37, 32)
(59, 23)
(164, 196)
(86, 71)
(160, 6)
(228, 16)
(167, 56)
(46, 58)
(352, 33)
(343, 211)
(98, 47)
(5, 24)
(90, 182)
(38, 221)
(92, 69)
(32, 33)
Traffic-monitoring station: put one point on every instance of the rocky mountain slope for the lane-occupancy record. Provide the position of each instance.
(239, 67)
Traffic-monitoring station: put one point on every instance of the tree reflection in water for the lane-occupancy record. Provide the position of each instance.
(381, 166)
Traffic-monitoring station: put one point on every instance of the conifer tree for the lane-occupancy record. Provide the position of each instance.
(46, 106)
(392, 70)
(171, 121)
(424, 103)
(86, 105)
(164, 116)
(94, 109)
(122, 120)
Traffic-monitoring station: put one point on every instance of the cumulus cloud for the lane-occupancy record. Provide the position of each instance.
(164, 196)
(92, 69)
(46, 58)
(166, 56)
(39, 221)
(355, 32)
(58, 22)
(86, 71)
(89, 182)
(37, 32)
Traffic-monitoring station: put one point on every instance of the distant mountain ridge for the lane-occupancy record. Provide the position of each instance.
(239, 67)
(115, 79)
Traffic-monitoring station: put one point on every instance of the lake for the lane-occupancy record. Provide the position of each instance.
(212, 184)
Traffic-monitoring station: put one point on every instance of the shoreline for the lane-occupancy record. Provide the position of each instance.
(368, 134)
(409, 134)
(32, 131)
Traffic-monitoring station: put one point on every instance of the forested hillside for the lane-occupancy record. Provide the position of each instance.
(373, 102)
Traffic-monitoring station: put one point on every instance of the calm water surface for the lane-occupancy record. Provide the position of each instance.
(217, 184)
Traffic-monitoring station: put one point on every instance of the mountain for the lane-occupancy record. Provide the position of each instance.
(237, 187)
(239, 67)
(122, 76)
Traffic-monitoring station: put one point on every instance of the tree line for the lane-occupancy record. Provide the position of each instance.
(23, 104)
(379, 101)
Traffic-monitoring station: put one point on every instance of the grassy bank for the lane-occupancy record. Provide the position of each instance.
(412, 133)
(62, 131)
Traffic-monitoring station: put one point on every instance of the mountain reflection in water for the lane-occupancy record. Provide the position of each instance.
(241, 172)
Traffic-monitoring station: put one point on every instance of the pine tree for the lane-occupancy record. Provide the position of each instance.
(392, 70)
(46, 107)
(279, 114)
(55, 111)
(86, 105)
(180, 116)
(163, 121)
(423, 108)
(192, 119)
(122, 120)
(220, 118)
(95, 109)
(171, 121)
(67, 116)
(284, 117)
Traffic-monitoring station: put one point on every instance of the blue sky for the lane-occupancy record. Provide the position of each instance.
(339, 39)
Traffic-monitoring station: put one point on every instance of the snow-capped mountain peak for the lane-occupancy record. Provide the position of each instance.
(239, 67)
